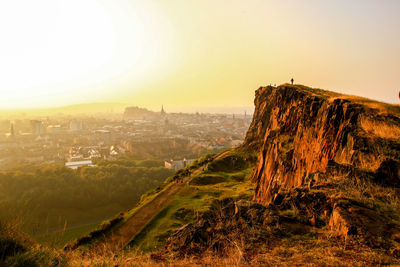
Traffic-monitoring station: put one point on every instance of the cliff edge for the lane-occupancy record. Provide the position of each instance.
(335, 158)
(304, 134)
(326, 184)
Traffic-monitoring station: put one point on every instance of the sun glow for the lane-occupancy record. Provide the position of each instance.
(67, 51)
(186, 53)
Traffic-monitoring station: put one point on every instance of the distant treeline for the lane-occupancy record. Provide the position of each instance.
(45, 196)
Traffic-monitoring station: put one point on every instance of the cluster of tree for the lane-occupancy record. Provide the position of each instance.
(167, 149)
(50, 195)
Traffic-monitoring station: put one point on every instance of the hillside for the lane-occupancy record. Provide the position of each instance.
(86, 108)
(327, 176)
(56, 204)
(316, 182)
(178, 202)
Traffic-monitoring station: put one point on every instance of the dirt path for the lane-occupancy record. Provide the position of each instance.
(120, 237)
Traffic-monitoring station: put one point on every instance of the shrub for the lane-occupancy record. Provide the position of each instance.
(229, 163)
(201, 161)
(207, 179)
(37, 257)
(238, 177)
(150, 163)
(12, 241)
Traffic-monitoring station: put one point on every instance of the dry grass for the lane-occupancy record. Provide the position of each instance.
(317, 249)
(366, 192)
(136, 258)
(322, 250)
(383, 108)
(380, 128)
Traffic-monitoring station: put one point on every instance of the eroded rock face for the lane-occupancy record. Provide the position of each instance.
(299, 132)
(226, 222)
(229, 222)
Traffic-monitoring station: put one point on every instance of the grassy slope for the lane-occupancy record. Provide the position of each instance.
(126, 221)
(59, 238)
(195, 197)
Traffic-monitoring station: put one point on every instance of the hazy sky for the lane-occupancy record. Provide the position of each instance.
(184, 53)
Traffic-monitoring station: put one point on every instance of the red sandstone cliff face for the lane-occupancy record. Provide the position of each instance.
(304, 135)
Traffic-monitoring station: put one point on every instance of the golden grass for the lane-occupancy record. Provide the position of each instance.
(319, 248)
(380, 128)
(366, 191)
(383, 108)
(323, 249)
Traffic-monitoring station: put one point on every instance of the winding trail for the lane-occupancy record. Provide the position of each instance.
(120, 237)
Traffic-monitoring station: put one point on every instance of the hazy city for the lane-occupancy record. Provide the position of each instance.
(199, 133)
(142, 134)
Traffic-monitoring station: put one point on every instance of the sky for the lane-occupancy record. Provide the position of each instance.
(187, 54)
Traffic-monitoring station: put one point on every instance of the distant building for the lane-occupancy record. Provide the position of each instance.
(136, 113)
(101, 131)
(75, 125)
(34, 159)
(54, 128)
(37, 127)
(76, 164)
(177, 164)
(235, 143)
(12, 133)
(103, 135)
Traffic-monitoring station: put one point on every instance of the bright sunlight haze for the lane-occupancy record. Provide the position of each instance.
(193, 53)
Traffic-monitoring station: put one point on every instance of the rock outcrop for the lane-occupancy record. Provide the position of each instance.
(327, 164)
(342, 151)
(224, 224)
(303, 134)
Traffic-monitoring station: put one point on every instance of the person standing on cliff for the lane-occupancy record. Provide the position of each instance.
(292, 81)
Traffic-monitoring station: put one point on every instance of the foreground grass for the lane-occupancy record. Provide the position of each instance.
(319, 249)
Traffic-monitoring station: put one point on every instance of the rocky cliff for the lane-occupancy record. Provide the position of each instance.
(304, 135)
(327, 172)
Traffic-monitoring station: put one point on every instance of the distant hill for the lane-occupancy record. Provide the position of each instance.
(87, 108)
(131, 112)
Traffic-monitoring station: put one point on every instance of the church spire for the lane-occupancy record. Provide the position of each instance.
(12, 132)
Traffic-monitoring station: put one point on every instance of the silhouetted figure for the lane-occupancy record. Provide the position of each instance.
(292, 81)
